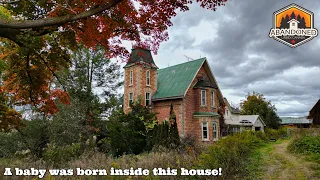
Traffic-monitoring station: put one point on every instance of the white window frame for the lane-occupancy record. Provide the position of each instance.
(131, 77)
(215, 131)
(212, 98)
(205, 99)
(203, 124)
(148, 99)
(236, 129)
(148, 80)
(130, 97)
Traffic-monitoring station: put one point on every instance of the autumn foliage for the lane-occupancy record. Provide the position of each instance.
(9, 118)
(38, 46)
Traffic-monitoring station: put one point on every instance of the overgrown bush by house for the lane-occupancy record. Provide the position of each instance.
(56, 155)
(276, 134)
(309, 145)
(231, 154)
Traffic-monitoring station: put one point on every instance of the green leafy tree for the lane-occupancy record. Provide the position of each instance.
(91, 77)
(166, 133)
(256, 104)
(174, 138)
(34, 136)
(66, 126)
(128, 133)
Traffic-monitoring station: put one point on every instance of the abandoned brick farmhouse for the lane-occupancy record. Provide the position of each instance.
(190, 87)
(192, 90)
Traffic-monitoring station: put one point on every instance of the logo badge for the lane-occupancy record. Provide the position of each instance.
(293, 26)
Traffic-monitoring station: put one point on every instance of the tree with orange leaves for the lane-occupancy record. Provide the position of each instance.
(41, 34)
(9, 118)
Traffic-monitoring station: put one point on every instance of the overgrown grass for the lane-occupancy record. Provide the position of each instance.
(309, 146)
(239, 156)
(232, 154)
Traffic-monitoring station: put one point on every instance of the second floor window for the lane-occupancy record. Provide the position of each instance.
(148, 102)
(130, 98)
(203, 97)
(148, 78)
(212, 98)
(131, 77)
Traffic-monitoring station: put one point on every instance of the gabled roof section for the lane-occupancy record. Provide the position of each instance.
(203, 83)
(232, 109)
(141, 56)
(312, 111)
(173, 82)
(213, 80)
(244, 120)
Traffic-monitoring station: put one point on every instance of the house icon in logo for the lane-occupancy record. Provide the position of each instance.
(293, 24)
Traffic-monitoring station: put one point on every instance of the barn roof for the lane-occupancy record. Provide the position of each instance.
(295, 120)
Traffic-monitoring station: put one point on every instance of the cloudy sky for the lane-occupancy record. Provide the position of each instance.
(242, 56)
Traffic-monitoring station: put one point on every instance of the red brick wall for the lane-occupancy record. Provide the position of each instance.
(192, 103)
(162, 108)
(139, 87)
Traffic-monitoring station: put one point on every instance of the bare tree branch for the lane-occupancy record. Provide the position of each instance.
(52, 72)
(9, 2)
(25, 24)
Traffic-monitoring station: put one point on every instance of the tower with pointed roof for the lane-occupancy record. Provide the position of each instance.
(140, 78)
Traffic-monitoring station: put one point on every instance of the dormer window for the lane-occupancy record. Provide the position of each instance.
(131, 77)
(203, 97)
(148, 78)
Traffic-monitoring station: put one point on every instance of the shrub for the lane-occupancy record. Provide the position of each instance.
(9, 144)
(307, 144)
(128, 133)
(57, 155)
(276, 134)
(231, 154)
(34, 136)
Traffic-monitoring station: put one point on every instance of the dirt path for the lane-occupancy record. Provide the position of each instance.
(280, 164)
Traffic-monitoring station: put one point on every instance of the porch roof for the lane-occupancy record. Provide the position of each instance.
(206, 114)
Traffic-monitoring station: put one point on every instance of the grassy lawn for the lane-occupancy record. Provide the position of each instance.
(273, 161)
(257, 160)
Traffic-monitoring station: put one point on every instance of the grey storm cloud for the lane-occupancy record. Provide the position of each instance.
(244, 59)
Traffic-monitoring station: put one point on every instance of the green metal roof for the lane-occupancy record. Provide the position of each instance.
(293, 120)
(200, 114)
(174, 81)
